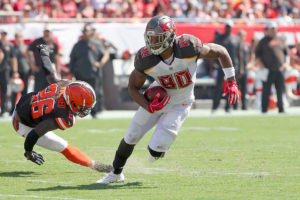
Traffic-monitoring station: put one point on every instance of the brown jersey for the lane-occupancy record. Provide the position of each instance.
(48, 103)
(271, 51)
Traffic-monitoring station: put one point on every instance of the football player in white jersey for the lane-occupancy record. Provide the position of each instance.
(171, 61)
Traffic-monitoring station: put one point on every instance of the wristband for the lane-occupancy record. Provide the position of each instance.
(31, 139)
(229, 72)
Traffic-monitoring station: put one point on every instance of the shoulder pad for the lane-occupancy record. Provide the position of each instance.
(187, 46)
(145, 60)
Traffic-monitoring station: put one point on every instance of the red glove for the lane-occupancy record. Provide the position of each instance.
(231, 87)
(155, 105)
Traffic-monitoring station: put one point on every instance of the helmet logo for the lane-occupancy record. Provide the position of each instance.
(167, 27)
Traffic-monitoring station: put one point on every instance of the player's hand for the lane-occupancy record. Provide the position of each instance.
(34, 157)
(231, 87)
(155, 105)
(44, 49)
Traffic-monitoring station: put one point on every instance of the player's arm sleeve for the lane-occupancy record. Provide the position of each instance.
(65, 123)
(41, 129)
(138, 65)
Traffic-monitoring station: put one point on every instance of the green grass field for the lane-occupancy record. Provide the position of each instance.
(213, 158)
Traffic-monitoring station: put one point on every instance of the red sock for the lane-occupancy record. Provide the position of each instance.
(76, 156)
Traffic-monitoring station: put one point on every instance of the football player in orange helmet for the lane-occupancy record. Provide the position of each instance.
(37, 114)
(73, 96)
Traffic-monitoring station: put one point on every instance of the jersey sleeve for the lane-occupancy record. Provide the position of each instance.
(138, 62)
(65, 122)
(145, 60)
(196, 44)
(62, 114)
(188, 46)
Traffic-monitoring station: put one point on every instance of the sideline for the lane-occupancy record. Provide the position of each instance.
(194, 113)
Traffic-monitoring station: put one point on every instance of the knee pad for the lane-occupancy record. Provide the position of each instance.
(156, 154)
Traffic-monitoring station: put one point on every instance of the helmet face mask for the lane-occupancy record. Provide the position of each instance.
(85, 111)
(160, 34)
(80, 97)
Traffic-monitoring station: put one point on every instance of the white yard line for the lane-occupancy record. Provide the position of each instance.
(191, 128)
(215, 174)
(218, 128)
(45, 181)
(113, 130)
(14, 161)
(38, 197)
(243, 173)
(161, 169)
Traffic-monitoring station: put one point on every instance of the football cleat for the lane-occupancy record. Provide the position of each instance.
(100, 167)
(152, 159)
(112, 178)
(80, 97)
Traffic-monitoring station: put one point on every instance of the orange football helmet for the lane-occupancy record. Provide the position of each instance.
(81, 97)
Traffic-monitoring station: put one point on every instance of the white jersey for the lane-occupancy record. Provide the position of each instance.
(178, 77)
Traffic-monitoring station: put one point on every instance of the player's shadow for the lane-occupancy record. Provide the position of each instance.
(94, 186)
(18, 174)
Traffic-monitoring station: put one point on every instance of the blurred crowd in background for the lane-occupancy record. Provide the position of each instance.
(282, 10)
(257, 74)
(259, 65)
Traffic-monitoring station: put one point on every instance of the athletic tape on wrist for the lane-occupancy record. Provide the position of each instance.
(229, 72)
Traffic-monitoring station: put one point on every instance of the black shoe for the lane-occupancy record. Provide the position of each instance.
(244, 108)
(94, 115)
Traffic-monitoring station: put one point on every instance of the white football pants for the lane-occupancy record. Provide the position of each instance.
(169, 120)
(49, 141)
